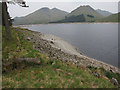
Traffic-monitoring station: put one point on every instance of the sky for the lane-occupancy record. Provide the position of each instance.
(66, 5)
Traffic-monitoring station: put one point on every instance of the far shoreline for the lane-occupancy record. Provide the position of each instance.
(67, 23)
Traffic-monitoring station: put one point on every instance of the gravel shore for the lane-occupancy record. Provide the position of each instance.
(58, 49)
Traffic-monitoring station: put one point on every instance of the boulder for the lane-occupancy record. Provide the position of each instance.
(52, 42)
(28, 38)
(114, 81)
(96, 74)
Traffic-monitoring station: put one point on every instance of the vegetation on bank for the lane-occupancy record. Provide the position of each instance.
(50, 73)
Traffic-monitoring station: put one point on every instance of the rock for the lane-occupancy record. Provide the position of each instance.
(59, 49)
(96, 74)
(111, 70)
(114, 81)
(28, 38)
(52, 42)
(53, 63)
(81, 53)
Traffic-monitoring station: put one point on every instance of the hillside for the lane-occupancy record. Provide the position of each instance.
(43, 15)
(82, 14)
(79, 18)
(104, 13)
(111, 18)
(49, 73)
(89, 13)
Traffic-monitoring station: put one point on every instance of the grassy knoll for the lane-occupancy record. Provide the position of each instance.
(49, 74)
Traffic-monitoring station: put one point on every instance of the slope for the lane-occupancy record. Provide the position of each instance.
(89, 13)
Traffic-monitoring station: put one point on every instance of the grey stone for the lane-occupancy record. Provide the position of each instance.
(52, 42)
(96, 74)
(28, 38)
(114, 81)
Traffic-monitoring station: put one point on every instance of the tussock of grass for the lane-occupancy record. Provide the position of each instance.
(50, 74)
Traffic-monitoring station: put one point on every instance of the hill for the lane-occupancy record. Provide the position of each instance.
(89, 13)
(104, 13)
(82, 14)
(111, 18)
(43, 15)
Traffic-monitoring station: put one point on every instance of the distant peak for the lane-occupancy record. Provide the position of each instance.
(54, 9)
(85, 6)
(100, 10)
(44, 8)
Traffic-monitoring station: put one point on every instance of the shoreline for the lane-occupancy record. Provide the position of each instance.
(58, 49)
(66, 23)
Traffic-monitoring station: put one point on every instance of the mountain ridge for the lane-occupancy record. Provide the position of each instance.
(86, 9)
(83, 13)
(43, 15)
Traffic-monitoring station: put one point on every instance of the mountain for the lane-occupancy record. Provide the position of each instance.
(80, 14)
(111, 18)
(43, 15)
(89, 13)
(104, 13)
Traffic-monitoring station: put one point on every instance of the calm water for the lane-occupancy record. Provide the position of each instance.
(99, 41)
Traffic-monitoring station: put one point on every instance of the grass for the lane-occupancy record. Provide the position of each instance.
(50, 74)
(18, 47)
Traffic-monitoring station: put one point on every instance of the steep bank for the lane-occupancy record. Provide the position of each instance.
(56, 48)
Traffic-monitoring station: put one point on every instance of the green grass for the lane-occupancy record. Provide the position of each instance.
(50, 74)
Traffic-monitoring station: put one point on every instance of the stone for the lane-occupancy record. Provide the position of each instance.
(28, 38)
(114, 81)
(52, 42)
(111, 70)
(96, 74)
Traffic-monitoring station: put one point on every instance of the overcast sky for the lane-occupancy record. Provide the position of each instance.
(66, 5)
